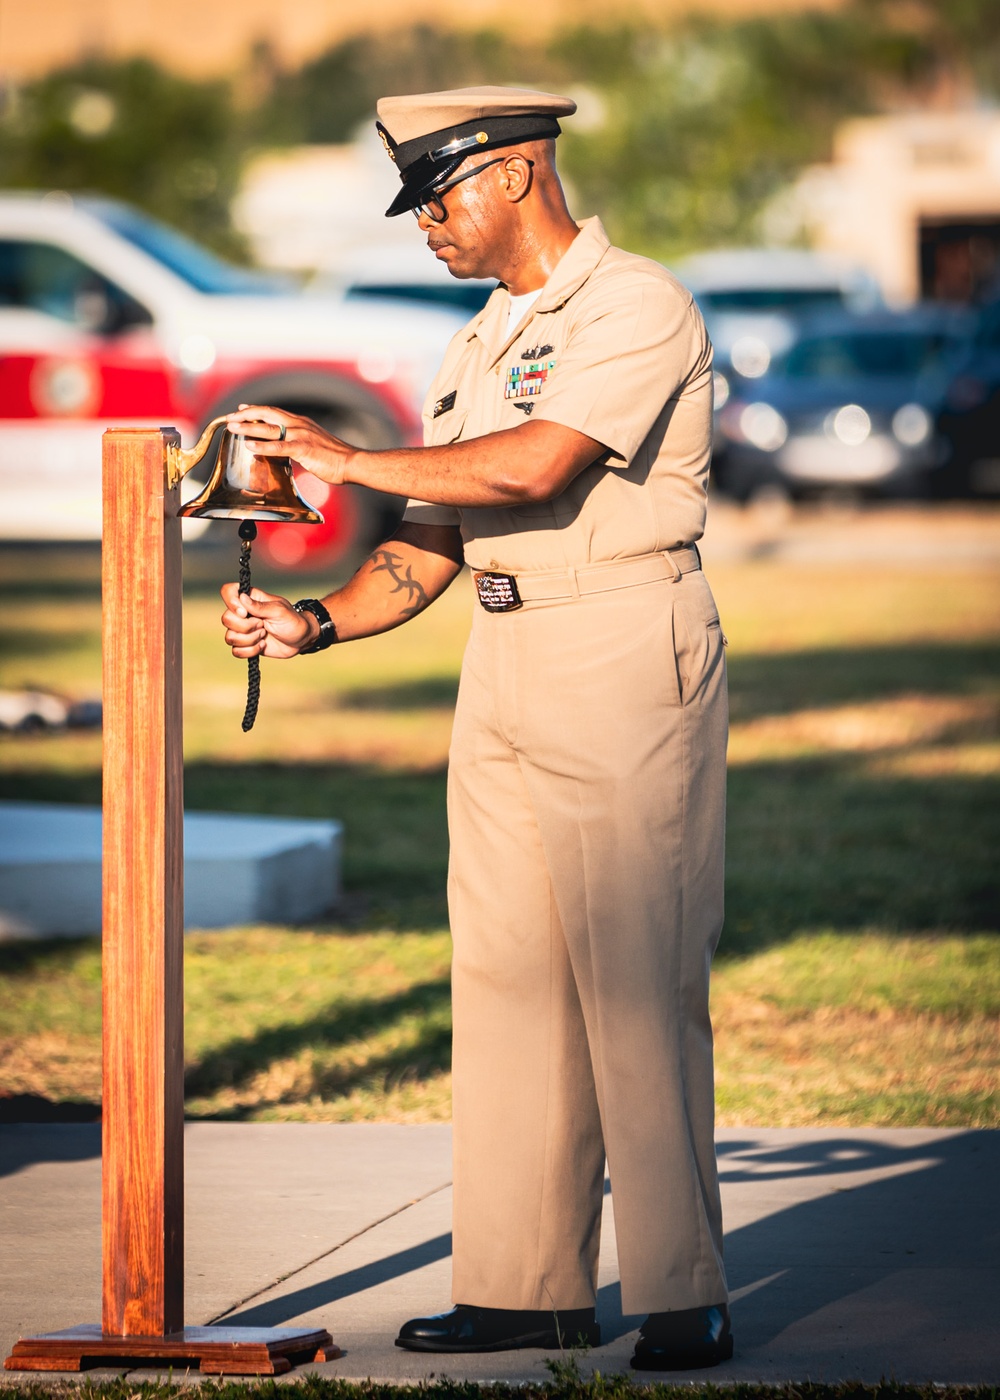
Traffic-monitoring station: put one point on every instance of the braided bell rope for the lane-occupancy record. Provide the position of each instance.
(248, 533)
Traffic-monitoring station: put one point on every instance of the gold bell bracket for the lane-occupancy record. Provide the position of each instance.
(180, 460)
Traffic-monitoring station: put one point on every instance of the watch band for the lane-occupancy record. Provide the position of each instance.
(327, 631)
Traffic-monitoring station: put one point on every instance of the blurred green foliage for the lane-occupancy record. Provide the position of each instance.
(684, 133)
(132, 130)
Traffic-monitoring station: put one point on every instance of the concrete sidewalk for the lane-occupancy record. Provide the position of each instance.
(853, 1254)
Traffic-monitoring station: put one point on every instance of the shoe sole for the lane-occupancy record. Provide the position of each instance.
(691, 1362)
(548, 1341)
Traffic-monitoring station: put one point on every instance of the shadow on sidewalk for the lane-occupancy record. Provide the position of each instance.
(276, 1311)
(932, 1208)
(24, 1143)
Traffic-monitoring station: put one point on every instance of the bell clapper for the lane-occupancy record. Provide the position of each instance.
(248, 533)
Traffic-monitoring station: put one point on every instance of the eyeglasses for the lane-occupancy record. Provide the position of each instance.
(433, 208)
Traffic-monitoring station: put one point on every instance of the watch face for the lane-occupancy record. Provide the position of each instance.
(327, 631)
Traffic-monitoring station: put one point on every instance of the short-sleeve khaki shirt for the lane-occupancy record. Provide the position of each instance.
(615, 348)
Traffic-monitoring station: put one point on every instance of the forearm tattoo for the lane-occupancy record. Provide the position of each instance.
(384, 561)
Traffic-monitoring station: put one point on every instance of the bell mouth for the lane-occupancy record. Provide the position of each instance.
(251, 509)
(245, 487)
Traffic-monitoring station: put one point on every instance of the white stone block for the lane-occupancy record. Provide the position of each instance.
(238, 869)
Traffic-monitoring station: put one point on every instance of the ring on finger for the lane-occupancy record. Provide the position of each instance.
(282, 433)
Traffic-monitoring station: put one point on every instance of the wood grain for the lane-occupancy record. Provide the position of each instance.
(143, 1120)
(220, 1351)
(143, 967)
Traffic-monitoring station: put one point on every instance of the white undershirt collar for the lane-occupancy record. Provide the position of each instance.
(519, 306)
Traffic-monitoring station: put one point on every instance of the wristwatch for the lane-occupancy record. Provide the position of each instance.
(327, 631)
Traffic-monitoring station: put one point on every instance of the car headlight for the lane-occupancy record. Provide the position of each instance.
(720, 386)
(751, 356)
(911, 425)
(763, 426)
(196, 353)
(850, 425)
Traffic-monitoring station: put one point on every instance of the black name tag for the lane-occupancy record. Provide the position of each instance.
(446, 402)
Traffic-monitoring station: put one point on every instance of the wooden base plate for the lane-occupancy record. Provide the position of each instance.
(219, 1351)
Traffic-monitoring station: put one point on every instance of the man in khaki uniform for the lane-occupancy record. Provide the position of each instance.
(567, 448)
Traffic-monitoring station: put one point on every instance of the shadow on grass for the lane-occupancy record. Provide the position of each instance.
(58, 955)
(826, 677)
(415, 1062)
(428, 693)
(395, 839)
(236, 1062)
(821, 844)
(814, 842)
(777, 684)
(47, 572)
(27, 644)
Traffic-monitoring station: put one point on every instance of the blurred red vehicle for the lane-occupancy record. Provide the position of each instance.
(110, 319)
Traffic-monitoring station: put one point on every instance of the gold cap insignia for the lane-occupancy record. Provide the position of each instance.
(385, 142)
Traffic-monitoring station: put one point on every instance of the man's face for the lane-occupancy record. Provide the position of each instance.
(471, 240)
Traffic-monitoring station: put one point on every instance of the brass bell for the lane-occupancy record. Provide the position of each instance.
(242, 486)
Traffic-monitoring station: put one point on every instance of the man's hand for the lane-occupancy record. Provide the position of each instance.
(263, 624)
(528, 463)
(305, 442)
(398, 580)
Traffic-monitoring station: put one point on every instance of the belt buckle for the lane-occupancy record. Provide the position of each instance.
(497, 592)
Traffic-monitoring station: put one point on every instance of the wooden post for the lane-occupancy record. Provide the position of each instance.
(143, 944)
(143, 957)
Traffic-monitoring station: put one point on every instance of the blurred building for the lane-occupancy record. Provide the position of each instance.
(215, 36)
(914, 198)
(305, 208)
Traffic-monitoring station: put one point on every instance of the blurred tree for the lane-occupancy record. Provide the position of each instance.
(326, 99)
(951, 45)
(132, 130)
(706, 122)
(683, 135)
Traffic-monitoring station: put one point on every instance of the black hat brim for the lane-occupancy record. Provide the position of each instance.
(418, 184)
(430, 163)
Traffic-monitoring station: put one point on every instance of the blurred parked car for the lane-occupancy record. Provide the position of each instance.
(27, 711)
(852, 403)
(753, 298)
(109, 318)
(970, 419)
(406, 272)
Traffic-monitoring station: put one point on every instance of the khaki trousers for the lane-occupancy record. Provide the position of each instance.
(586, 810)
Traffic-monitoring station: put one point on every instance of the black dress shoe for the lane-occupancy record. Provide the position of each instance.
(685, 1340)
(499, 1329)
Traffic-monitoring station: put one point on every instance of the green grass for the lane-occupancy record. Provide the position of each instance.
(858, 979)
(566, 1383)
(826, 1028)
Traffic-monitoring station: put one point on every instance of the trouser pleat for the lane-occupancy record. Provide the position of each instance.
(586, 798)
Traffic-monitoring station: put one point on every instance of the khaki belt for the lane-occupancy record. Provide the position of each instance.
(503, 592)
